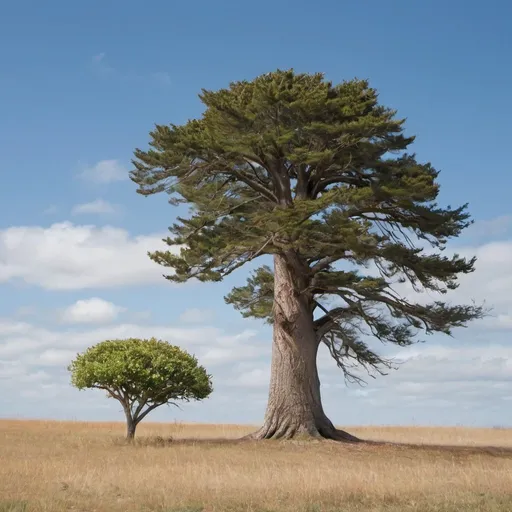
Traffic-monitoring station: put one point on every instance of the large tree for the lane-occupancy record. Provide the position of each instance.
(317, 176)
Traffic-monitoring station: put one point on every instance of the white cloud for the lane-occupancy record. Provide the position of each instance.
(56, 357)
(24, 346)
(222, 355)
(33, 362)
(436, 363)
(91, 311)
(437, 382)
(51, 210)
(433, 377)
(161, 77)
(102, 68)
(8, 327)
(98, 206)
(26, 311)
(197, 316)
(456, 374)
(257, 378)
(105, 171)
(504, 321)
(490, 227)
(22, 340)
(490, 283)
(22, 373)
(65, 256)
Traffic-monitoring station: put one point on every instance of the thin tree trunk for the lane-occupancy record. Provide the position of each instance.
(131, 425)
(294, 405)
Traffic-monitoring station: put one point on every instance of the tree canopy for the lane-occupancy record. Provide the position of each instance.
(292, 166)
(141, 374)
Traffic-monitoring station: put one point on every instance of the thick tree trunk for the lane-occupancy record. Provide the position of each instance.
(294, 406)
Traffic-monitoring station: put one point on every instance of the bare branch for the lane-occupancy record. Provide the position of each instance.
(325, 262)
(254, 185)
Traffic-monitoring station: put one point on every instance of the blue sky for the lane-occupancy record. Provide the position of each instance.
(82, 85)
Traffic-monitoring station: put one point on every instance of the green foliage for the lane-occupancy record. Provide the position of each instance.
(291, 164)
(255, 299)
(141, 374)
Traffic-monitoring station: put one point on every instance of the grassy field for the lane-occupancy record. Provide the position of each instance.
(86, 467)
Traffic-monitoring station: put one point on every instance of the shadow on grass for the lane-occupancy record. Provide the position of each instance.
(492, 451)
(158, 441)
(463, 450)
(13, 506)
(361, 503)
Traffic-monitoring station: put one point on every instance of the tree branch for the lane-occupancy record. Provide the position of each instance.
(325, 262)
(254, 185)
(138, 419)
(111, 392)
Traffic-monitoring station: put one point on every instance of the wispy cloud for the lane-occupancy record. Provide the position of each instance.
(105, 171)
(197, 316)
(100, 65)
(99, 206)
(489, 228)
(102, 68)
(51, 210)
(161, 77)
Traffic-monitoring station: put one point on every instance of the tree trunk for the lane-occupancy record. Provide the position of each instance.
(131, 425)
(294, 405)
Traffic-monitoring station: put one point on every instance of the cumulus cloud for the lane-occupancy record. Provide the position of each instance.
(21, 373)
(255, 378)
(432, 378)
(229, 349)
(56, 357)
(466, 379)
(492, 279)
(33, 362)
(105, 171)
(98, 206)
(488, 285)
(434, 363)
(91, 311)
(30, 353)
(65, 256)
(458, 373)
(23, 341)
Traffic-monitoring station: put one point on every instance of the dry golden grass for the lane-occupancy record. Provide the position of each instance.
(86, 467)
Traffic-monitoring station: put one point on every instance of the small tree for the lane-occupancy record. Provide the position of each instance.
(141, 374)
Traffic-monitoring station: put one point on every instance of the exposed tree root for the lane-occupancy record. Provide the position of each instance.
(290, 430)
(341, 435)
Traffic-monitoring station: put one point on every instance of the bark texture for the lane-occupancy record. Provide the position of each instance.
(131, 425)
(294, 405)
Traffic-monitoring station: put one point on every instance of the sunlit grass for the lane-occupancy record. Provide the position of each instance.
(62, 466)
